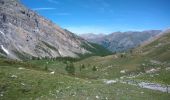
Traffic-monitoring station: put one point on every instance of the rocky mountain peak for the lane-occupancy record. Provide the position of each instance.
(24, 33)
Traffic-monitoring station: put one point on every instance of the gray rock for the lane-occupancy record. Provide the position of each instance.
(24, 33)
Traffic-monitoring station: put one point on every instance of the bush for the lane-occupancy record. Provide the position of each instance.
(70, 68)
(82, 67)
(94, 68)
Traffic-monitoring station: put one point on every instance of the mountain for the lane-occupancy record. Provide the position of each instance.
(92, 36)
(122, 41)
(158, 48)
(25, 34)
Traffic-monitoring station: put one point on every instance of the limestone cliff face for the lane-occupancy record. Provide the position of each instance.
(24, 33)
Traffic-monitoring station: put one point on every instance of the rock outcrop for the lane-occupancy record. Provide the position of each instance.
(24, 33)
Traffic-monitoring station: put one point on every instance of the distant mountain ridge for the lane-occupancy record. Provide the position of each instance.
(157, 48)
(122, 41)
(91, 36)
(25, 34)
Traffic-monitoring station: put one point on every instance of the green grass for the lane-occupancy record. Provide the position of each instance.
(158, 49)
(162, 77)
(95, 49)
(32, 79)
(34, 84)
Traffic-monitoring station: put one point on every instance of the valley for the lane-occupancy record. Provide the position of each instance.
(131, 76)
(39, 60)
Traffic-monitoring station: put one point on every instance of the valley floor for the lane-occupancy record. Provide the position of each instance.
(31, 80)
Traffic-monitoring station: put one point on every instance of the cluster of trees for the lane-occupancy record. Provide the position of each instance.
(96, 49)
(16, 62)
(94, 68)
(64, 59)
(70, 68)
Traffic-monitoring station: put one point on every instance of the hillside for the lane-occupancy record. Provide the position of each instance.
(158, 49)
(135, 75)
(24, 34)
(152, 60)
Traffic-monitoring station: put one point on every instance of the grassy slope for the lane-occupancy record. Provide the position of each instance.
(31, 83)
(96, 49)
(140, 60)
(35, 82)
(159, 51)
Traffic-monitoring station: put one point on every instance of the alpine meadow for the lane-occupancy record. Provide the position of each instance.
(84, 50)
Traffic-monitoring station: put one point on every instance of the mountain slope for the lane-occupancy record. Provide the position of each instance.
(158, 48)
(25, 34)
(147, 63)
(116, 77)
(122, 41)
(134, 75)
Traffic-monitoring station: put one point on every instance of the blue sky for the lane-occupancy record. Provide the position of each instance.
(104, 16)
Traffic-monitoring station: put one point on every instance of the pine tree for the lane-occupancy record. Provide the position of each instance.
(83, 66)
(94, 68)
(70, 68)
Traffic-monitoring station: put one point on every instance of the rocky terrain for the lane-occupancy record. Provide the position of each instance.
(25, 34)
(121, 41)
(142, 74)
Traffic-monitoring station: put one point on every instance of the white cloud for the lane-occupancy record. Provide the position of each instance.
(44, 9)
